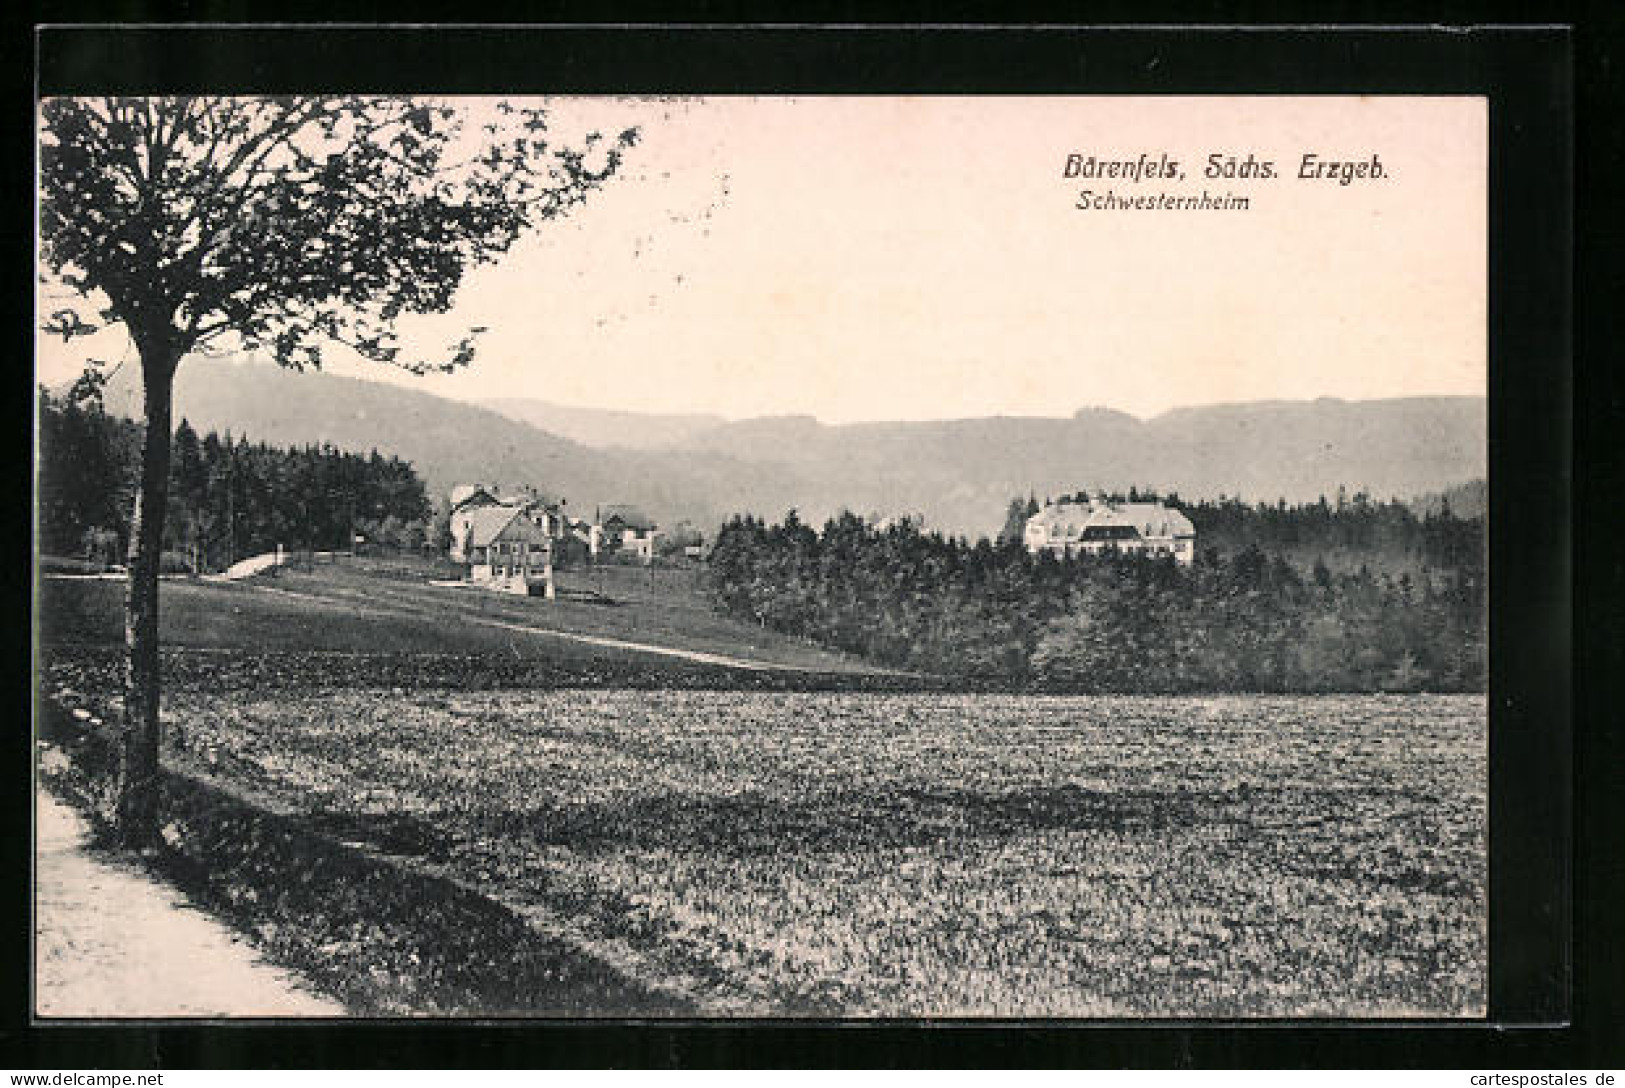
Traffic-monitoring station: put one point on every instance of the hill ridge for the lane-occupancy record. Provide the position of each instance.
(959, 474)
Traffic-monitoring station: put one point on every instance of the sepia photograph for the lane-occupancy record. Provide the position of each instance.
(840, 557)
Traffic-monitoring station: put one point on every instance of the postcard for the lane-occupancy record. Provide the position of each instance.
(704, 556)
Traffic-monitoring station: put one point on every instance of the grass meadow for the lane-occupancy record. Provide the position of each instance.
(391, 606)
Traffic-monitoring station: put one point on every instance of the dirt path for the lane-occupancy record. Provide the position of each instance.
(701, 657)
(247, 568)
(110, 941)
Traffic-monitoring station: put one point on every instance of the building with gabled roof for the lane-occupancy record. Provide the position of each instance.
(629, 517)
(504, 545)
(634, 530)
(472, 495)
(1076, 528)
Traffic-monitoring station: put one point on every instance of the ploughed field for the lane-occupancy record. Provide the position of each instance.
(828, 853)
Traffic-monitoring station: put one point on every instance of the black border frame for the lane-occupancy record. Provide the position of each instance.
(1527, 72)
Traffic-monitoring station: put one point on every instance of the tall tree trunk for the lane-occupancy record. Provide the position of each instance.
(137, 820)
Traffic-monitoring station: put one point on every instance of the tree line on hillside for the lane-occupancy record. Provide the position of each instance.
(228, 498)
(996, 615)
(1345, 533)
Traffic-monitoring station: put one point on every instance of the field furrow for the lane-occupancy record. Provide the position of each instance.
(944, 855)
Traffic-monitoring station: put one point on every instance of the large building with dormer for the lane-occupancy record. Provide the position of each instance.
(1091, 528)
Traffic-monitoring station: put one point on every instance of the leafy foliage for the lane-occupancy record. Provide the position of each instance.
(273, 224)
(283, 223)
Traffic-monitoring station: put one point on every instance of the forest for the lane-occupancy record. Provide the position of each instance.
(1344, 533)
(1338, 595)
(228, 498)
(1240, 618)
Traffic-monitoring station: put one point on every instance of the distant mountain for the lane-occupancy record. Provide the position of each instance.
(451, 442)
(1300, 450)
(959, 474)
(601, 427)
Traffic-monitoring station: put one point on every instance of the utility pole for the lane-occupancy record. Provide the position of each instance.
(592, 549)
(231, 510)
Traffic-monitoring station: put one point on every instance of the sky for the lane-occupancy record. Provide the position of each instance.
(924, 258)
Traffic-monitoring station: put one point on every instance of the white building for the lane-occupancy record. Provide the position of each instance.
(1073, 528)
(632, 530)
(506, 544)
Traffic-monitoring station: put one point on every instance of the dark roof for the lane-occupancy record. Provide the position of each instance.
(629, 516)
(1113, 521)
(1110, 532)
(532, 498)
(488, 523)
(463, 494)
(1151, 519)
